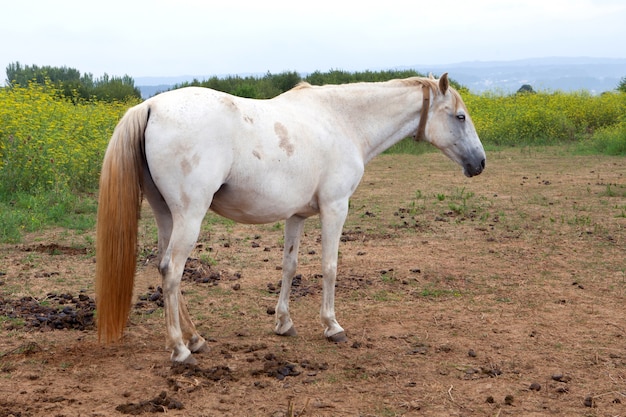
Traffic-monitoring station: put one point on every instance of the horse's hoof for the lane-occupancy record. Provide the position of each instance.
(290, 332)
(338, 338)
(197, 344)
(203, 348)
(189, 360)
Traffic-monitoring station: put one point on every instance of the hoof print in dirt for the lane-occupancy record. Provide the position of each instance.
(159, 404)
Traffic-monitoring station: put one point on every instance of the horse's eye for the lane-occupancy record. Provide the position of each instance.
(460, 117)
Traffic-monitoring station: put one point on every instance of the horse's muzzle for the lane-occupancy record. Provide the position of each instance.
(473, 169)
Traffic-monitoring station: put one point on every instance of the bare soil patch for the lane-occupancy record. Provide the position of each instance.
(498, 295)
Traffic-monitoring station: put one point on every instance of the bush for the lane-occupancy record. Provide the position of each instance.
(542, 118)
(51, 152)
(47, 143)
(610, 140)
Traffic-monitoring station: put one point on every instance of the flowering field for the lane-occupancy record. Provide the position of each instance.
(49, 143)
(544, 119)
(51, 148)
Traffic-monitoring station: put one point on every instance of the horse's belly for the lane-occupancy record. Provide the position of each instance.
(257, 206)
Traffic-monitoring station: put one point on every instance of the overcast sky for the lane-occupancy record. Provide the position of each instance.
(202, 37)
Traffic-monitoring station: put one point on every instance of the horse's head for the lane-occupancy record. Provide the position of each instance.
(450, 127)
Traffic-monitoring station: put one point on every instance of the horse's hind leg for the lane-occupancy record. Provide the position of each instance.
(161, 211)
(164, 220)
(180, 329)
(195, 342)
(293, 231)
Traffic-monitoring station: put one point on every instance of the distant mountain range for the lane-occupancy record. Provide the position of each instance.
(595, 75)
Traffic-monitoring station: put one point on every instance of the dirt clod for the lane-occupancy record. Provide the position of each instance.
(561, 378)
(200, 271)
(280, 369)
(55, 249)
(216, 373)
(54, 312)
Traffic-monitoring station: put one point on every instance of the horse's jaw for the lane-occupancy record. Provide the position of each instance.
(471, 160)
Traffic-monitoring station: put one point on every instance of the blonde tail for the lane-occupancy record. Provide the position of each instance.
(118, 214)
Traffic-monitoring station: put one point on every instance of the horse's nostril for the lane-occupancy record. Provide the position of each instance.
(482, 163)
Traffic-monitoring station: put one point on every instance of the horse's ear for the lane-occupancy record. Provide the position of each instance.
(444, 83)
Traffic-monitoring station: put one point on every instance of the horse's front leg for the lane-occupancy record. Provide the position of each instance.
(293, 231)
(332, 217)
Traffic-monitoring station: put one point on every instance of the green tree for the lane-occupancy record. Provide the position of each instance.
(114, 88)
(271, 85)
(622, 85)
(71, 84)
(284, 81)
(526, 88)
(22, 75)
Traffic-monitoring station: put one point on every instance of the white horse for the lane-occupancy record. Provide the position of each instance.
(255, 161)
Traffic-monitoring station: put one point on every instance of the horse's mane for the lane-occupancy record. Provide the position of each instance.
(419, 81)
(412, 81)
(429, 82)
(301, 85)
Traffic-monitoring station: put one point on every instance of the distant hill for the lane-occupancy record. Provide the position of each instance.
(595, 75)
(151, 90)
(567, 74)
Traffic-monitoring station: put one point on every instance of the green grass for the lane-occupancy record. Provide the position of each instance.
(22, 212)
(431, 291)
(608, 140)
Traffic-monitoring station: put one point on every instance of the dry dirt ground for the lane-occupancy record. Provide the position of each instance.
(500, 295)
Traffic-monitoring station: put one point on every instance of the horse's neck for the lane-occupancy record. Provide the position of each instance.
(379, 114)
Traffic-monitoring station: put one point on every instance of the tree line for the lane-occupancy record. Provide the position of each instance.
(69, 82)
(271, 85)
